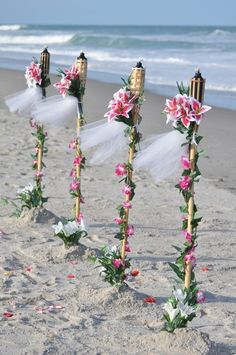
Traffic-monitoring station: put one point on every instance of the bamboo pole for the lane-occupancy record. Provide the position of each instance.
(81, 64)
(137, 78)
(197, 87)
(45, 65)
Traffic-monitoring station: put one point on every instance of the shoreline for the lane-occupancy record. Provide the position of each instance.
(217, 164)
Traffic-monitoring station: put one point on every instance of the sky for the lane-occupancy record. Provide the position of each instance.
(119, 12)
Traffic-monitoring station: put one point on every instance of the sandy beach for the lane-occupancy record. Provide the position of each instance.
(56, 314)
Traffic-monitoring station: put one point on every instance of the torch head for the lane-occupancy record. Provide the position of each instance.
(197, 86)
(81, 63)
(45, 61)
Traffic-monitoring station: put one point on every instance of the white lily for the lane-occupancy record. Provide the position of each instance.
(172, 312)
(185, 309)
(26, 189)
(58, 228)
(179, 295)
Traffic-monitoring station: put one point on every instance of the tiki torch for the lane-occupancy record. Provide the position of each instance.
(197, 88)
(137, 78)
(81, 64)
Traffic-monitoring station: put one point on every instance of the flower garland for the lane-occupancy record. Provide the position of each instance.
(185, 113)
(113, 260)
(31, 196)
(70, 85)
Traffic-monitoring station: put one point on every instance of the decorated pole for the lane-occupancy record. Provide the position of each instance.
(197, 88)
(137, 78)
(81, 64)
(45, 66)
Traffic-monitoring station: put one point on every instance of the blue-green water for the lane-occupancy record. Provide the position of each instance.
(169, 53)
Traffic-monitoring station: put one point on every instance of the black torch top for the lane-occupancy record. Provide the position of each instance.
(197, 86)
(45, 61)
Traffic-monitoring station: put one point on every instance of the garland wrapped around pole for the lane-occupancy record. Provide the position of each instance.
(137, 78)
(197, 88)
(123, 120)
(81, 64)
(45, 66)
(186, 112)
(23, 103)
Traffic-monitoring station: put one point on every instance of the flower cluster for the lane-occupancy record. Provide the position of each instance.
(185, 112)
(70, 231)
(78, 163)
(121, 105)
(179, 309)
(33, 74)
(113, 267)
(183, 109)
(70, 82)
(128, 191)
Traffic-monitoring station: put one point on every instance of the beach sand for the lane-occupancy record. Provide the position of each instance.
(54, 314)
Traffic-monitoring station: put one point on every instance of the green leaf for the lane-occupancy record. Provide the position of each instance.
(178, 272)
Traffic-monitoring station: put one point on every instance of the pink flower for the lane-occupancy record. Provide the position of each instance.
(77, 160)
(127, 204)
(120, 169)
(33, 75)
(198, 110)
(188, 236)
(36, 150)
(74, 185)
(130, 230)
(171, 109)
(38, 174)
(127, 190)
(185, 162)
(117, 263)
(200, 296)
(190, 258)
(63, 86)
(118, 220)
(73, 173)
(80, 218)
(121, 105)
(72, 144)
(73, 73)
(185, 182)
(127, 247)
(33, 123)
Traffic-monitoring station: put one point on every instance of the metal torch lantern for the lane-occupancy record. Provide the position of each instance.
(45, 61)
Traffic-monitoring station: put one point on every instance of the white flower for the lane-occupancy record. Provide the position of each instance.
(26, 189)
(102, 271)
(71, 227)
(179, 295)
(58, 228)
(185, 309)
(172, 312)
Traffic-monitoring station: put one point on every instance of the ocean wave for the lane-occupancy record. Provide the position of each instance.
(219, 32)
(43, 40)
(12, 27)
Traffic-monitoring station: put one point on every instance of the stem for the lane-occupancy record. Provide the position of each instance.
(78, 169)
(127, 198)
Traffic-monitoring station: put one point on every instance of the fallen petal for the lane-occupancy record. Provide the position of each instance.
(149, 299)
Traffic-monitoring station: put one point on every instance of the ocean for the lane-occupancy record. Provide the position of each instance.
(169, 54)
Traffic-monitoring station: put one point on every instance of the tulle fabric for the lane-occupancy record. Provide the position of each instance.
(161, 155)
(55, 110)
(104, 139)
(22, 102)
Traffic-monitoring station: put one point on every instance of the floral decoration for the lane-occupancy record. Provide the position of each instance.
(70, 231)
(185, 113)
(114, 264)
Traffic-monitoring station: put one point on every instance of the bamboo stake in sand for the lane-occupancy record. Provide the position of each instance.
(81, 63)
(136, 88)
(197, 87)
(45, 64)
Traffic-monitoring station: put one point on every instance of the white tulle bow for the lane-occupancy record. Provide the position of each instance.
(22, 102)
(161, 155)
(105, 139)
(55, 110)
